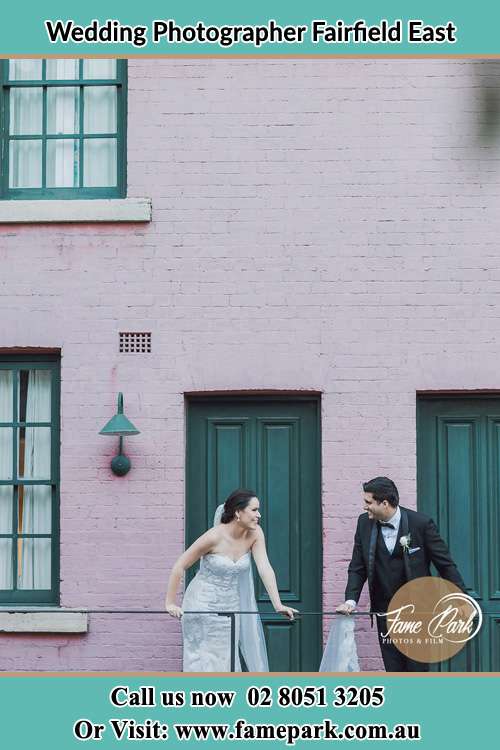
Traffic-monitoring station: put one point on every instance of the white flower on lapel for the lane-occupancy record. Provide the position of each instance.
(405, 542)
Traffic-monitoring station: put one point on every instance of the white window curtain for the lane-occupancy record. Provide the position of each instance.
(5, 473)
(35, 570)
(25, 155)
(63, 154)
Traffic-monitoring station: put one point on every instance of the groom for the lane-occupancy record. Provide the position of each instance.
(379, 557)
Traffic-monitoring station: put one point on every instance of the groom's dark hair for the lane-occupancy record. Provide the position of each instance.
(382, 488)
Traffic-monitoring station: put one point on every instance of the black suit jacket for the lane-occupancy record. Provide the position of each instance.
(423, 533)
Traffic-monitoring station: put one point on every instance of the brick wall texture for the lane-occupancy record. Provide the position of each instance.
(317, 224)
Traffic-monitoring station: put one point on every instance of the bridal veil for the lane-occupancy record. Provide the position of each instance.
(252, 643)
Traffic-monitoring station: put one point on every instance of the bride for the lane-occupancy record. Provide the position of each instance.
(224, 582)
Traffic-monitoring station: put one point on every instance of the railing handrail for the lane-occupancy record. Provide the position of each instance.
(231, 614)
(12, 609)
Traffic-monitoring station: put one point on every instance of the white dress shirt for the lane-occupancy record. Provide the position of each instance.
(389, 535)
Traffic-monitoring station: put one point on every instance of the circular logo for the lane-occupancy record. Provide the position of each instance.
(430, 619)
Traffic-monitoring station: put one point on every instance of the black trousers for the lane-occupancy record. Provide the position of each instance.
(394, 660)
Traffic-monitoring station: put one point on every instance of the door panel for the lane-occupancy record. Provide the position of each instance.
(460, 492)
(458, 450)
(272, 446)
(278, 461)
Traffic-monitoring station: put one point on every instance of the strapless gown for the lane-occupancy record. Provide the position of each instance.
(207, 638)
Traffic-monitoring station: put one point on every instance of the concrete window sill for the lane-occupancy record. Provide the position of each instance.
(58, 621)
(75, 211)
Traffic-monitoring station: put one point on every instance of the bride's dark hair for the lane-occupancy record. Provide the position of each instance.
(237, 500)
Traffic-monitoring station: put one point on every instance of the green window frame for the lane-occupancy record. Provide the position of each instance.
(18, 543)
(45, 135)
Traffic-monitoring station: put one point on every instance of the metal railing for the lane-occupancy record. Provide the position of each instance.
(274, 615)
(231, 614)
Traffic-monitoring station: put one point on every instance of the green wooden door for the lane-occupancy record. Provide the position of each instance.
(458, 457)
(272, 446)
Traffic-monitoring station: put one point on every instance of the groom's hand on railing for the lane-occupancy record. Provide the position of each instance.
(289, 612)
(346, 608)
(173, 610)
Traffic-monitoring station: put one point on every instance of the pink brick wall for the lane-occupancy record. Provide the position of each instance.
(328, 225)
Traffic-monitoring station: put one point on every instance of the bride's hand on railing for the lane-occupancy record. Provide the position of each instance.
(173, 610)
(289, 612)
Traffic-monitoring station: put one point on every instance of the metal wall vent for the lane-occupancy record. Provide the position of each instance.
(135, 342)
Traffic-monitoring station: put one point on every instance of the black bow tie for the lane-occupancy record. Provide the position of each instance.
(386, 524)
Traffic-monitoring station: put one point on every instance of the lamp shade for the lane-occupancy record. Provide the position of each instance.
(119, 424)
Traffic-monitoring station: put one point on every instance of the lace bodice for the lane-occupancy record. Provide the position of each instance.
(221, 570)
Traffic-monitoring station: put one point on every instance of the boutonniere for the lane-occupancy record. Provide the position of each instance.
(405, 542)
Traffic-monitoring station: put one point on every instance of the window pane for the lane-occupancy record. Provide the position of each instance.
(6, 396)
(34, 395)
(34, 452)
(63, 110)
(6, 496)
(25, 70)
(25, 164)
(34, 564)
(60, 70)
(100, 162)
(99, 110)
(5, 452)
(25, 111)
(34, 509)
(99, 69)
(5, 564)
(63, 163)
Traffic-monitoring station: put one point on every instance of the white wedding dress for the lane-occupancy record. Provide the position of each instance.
(222, 585)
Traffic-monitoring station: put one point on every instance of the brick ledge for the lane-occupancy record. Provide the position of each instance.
(58, 621)
(75, 211)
